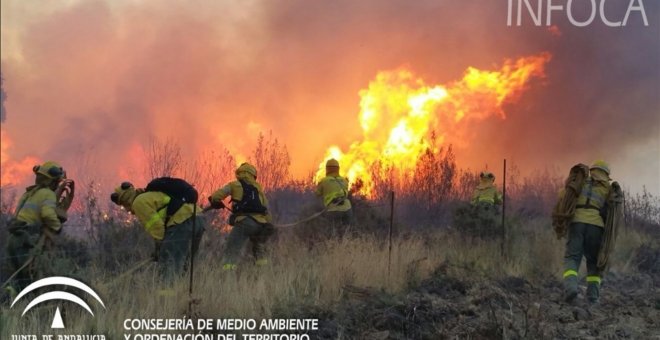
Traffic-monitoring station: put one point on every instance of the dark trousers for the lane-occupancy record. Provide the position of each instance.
(339, 218)
(583, 240)
(19, 248)
(243, 230)
(175, 247)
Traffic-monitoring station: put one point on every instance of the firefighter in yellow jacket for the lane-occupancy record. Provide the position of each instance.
(172, 234)
(36, 217)
(250, 217)
(486, 193)
(485, 207)
(585, 232)
(333, 189)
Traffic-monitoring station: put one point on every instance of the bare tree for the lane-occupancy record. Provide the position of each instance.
(467, 180)
(210, 170)
(163, 158)
(272, 161)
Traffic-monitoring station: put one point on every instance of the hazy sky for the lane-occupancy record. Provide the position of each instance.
(101, 77)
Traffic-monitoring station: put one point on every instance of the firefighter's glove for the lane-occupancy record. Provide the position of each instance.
(603, 212)
(65, 193)
(216, 204)
(61, 214)
(338, 200)
(154, 256)
(268, 229)
(560, 232)
(50, 232)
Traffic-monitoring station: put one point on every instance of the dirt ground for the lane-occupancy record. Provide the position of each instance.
(450, 306)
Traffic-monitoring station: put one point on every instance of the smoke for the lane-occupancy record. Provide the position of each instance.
(3, 97)
(101, 78)
(599, 102)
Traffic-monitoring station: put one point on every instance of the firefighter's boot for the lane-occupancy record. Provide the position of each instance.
(593, 291)
(570, 287)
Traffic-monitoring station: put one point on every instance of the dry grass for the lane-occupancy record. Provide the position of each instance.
(311, 276)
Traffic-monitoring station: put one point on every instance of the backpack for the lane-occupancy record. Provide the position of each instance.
(179, 191)
(250, 202)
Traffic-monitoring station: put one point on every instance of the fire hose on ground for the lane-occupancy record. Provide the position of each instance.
(141, 264)
(36, 252)
(286, 225)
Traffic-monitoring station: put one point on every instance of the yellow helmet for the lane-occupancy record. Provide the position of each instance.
(602, 165)
(331, 163)
(487, 174)
(124, 194)
(49, 169)
(247, 167)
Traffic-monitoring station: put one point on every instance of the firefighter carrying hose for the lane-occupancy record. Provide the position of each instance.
(585, 232)
(38, 219)
(333, 189)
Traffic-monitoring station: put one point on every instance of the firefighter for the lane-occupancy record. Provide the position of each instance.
(36, 222)
(486, 193)
(250, 217)
(170, 228)
(485, 207)
(333, 189)
(586, 231)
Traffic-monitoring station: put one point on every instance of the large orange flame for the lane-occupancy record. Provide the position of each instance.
(398, 112)
(13, 172)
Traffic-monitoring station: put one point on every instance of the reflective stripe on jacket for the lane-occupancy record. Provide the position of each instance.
(591, 200)
(39, 208)
(334, 190)
(486, 194)
(151, 208)
(235, 190)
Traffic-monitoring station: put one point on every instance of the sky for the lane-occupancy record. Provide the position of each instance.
(88, 82)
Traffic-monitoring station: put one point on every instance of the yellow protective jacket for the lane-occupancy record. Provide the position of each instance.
(37, 207)
(333, 188)
(590, 202)
(151, 209)
(486, 192)
(235, 190)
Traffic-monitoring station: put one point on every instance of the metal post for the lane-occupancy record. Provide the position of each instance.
(502, 246)
(625, 213)
(192, 258)
(389, 253)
